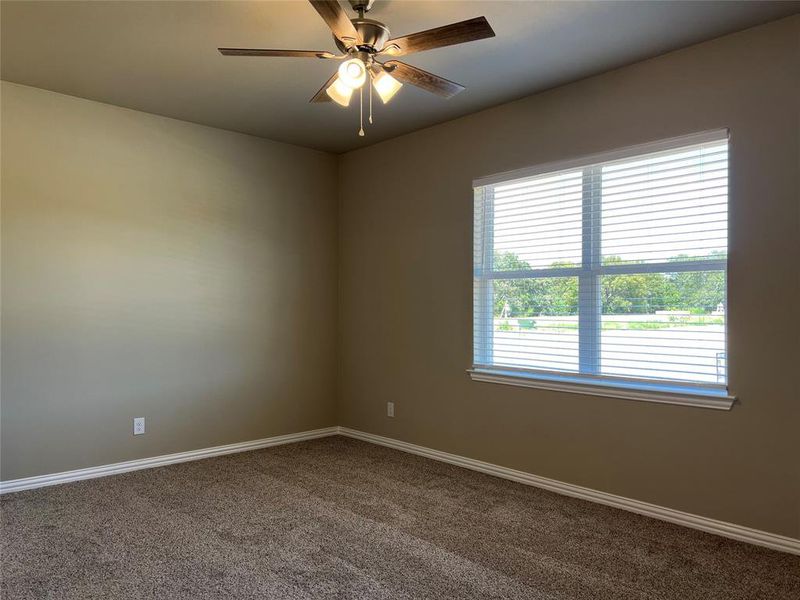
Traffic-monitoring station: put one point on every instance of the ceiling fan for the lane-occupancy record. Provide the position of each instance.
(363, 42)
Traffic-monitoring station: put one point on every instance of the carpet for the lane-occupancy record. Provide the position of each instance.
(341, 518)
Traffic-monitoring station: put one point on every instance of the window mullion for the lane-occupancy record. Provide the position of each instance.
(589, 302)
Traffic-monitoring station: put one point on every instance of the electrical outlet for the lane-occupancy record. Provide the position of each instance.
(138, 425)
(390, 409)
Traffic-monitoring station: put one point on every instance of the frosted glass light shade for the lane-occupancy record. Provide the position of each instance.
(339, 92)
(353, 73)
(386, 86)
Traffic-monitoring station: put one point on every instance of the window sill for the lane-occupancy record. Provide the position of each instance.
(661, 394)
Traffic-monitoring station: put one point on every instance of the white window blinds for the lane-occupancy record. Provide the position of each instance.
(612, 268)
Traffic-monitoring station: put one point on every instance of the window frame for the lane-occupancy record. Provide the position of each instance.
(589, 379)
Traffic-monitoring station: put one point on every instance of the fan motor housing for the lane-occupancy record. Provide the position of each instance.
(373, 33)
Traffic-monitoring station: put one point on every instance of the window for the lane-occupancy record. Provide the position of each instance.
(607, 275)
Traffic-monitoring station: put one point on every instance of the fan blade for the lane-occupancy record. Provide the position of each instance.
(422, 79)
(455, 33)
(268, 52)
(333, 14)
(321, 96)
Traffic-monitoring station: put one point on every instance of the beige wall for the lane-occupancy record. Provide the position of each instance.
(157, 268)
(406, 287)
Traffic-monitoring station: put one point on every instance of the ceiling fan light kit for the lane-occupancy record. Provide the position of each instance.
(362, 41)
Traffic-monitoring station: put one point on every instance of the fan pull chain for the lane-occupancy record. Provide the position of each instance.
(369, 82)
(361, 111)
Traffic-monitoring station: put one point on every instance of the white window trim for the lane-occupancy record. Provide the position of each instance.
(696, 395)
(645, 392)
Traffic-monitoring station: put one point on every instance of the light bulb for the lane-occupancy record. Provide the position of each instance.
(353, 73)
(386, 86)
(339, 92)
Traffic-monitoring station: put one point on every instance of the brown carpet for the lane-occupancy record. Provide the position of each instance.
(339, 518)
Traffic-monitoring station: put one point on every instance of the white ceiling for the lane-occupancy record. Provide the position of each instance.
(161, 57)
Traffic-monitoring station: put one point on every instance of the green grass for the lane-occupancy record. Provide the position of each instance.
(504, 326)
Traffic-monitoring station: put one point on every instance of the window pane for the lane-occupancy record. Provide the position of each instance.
(664, 326)
(623, 236)
(538, 221)
(666, 207)
(535, 323)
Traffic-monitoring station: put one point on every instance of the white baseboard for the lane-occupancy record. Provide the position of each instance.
(729, 530)
(28, 483)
